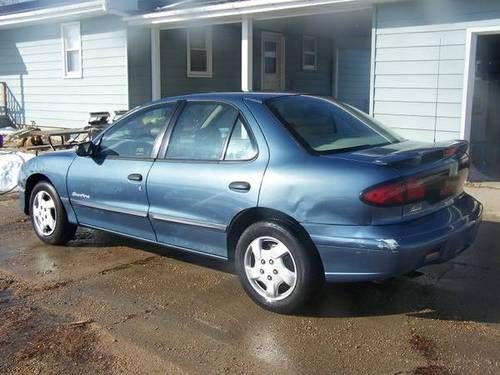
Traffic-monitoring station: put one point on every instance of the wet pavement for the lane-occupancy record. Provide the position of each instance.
(104, 304)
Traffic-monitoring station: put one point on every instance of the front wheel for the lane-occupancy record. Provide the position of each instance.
(276, 268)
(48, 215)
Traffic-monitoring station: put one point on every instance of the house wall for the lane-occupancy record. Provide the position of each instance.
(317, 82)
(31, 63)
(139, 65)
(419, 63)
(226, 75)
(353, 57)
(227, 64)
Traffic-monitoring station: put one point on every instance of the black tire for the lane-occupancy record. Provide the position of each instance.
(309, 272)
(63, 230)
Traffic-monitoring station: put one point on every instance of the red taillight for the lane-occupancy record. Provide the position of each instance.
(449, 152)
(408, 190)
(415, 189)
(385, 195)
(432, 188)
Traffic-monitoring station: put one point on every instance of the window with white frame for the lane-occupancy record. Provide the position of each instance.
(309, 53)
(199, 52)
(72, 49)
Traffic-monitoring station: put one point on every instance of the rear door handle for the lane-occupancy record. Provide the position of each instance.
(239, 186)
(135, 177)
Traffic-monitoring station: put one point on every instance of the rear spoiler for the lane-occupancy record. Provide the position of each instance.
(422, 155)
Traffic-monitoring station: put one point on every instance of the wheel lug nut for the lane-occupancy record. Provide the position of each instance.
(275, 272)
(261, 271)
(269, 277)
(271, 261)
(263, 261)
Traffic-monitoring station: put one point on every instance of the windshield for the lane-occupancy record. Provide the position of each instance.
(325, 126)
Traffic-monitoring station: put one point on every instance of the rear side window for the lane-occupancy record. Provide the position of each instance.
(241, 145)
(325, 126)
(201, 131)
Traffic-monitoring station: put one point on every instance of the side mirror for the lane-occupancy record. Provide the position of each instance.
(86, 149)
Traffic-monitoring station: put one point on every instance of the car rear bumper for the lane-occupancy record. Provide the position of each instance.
(362, 253)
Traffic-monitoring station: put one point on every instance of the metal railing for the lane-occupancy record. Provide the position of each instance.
(11, 111)
(3, 99)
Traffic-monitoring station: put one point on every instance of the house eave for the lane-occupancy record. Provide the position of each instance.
(235, 11)
(87, 8)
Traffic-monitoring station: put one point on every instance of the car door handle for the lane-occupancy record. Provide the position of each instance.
(239, 186)
(135, 177)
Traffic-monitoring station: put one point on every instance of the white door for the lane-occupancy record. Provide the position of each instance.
(273, 62)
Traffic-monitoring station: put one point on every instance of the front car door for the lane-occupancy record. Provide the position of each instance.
(212, 170)
(108, 190)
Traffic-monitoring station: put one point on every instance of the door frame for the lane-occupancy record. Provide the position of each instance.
(470, 75)
(274, 35)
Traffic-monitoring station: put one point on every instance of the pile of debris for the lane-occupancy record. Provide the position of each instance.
(21, 138)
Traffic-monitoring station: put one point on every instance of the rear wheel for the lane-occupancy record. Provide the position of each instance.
(275, 267)
(48, 215)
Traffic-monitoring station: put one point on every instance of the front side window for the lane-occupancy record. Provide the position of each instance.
(72, 50)
(201, 131)
(135, 135)
(309, 47)
(325, 126)
(199, 52)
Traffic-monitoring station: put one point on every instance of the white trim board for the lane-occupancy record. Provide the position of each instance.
(470, 75)
(258, 9)
(261, 17)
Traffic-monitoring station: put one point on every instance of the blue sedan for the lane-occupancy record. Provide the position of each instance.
(293, 189)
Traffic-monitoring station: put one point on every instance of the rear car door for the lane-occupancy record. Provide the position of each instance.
(108, 190)
(212, 169)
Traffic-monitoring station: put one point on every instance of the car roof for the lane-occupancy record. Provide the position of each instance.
(257, 96)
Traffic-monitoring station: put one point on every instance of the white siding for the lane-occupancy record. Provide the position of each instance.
(419, 63)
(31, 63)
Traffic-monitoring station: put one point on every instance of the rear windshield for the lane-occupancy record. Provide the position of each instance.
(325, 126)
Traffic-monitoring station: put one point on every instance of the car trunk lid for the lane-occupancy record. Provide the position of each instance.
(431, 175)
